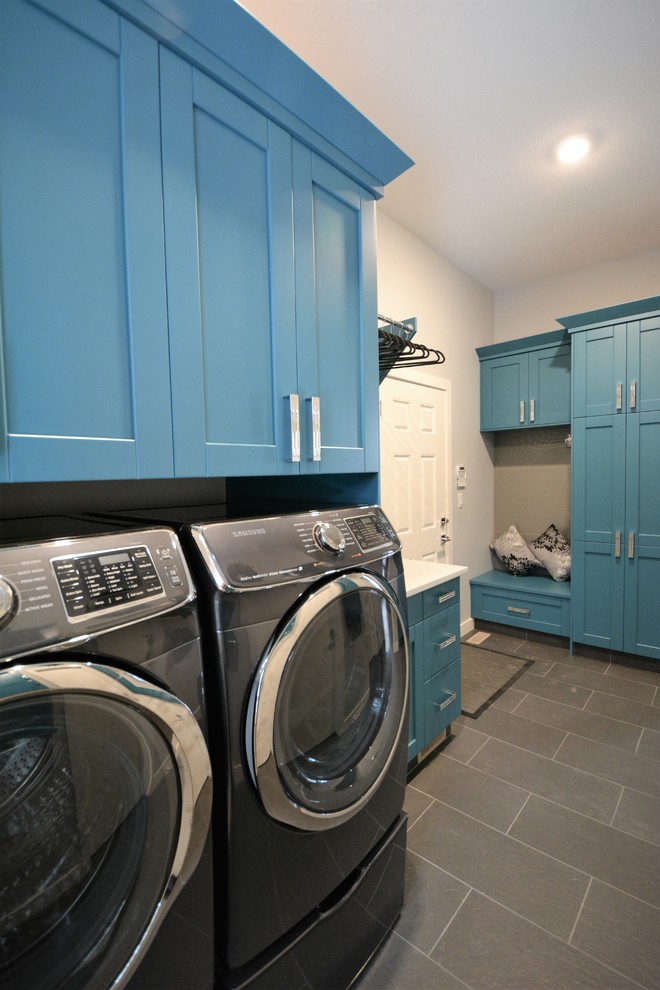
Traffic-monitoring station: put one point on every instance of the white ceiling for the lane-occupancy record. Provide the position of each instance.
(478, 92)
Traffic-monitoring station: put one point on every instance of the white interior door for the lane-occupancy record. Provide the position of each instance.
(415, 456)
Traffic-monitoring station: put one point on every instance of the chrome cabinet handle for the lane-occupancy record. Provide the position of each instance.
(314, 406)
(522, 410)
(631, 545)
(446, 702)
(447, 597)
(617, 543)
(633, 394)
(445, 643)
(532, 410)
(519, 611)
(619, 395)
(293, 405)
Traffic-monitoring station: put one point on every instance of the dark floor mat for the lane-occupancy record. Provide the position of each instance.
(485, 674)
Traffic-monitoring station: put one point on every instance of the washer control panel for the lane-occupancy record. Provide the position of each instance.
(262, 552)
(59, 591)
(97, 581)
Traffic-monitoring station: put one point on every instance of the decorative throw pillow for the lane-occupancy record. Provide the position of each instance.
(514, 553)
(553, 551)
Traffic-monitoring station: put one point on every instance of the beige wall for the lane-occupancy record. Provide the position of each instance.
(534, 308)
(454, 314)
(532, 481)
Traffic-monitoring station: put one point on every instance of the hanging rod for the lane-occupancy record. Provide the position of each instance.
(409, 328)
(397, 351)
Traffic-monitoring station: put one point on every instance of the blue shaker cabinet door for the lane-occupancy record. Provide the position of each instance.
(550, 386)
(336, 316)
(504, 390)
(599, 371)
(599, 479)
(229, 237)
(85, 362)
(643, 368)
(597, 597)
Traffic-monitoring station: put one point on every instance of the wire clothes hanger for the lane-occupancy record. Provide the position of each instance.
(396, 350)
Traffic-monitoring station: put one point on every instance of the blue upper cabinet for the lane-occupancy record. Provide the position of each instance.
(337, 352)
(526, 382)
(616, 359)
(227, 180)
(187, 248)
(84, 355)
(270, 281)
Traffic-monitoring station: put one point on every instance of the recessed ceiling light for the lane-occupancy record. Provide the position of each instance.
(572, 149)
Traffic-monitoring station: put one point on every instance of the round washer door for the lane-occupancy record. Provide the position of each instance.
(328, 703)
(105, 795)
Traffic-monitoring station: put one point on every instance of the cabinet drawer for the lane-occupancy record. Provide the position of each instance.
(441, 640)
(442, 700)
(526, 611)
(441, 597)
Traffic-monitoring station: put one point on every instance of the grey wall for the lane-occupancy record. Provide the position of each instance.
(534, 308)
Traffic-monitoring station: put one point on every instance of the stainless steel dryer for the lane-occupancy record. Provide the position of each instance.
(105, 780)
(306, 661)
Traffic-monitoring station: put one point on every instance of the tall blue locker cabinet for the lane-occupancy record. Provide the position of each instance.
(85, 364)
(616, 477)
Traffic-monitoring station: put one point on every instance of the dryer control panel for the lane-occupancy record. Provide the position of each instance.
(263, 552)
(67, 590)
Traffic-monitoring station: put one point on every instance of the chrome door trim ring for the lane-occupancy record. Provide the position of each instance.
(262, 762)
(183, 735)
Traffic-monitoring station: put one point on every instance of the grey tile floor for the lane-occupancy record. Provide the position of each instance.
(534, 839)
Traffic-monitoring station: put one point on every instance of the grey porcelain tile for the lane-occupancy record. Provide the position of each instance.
(627, 673)
(632, 690)
(509, 701)
(567, 786)
(622, 931)
(415, 803)
(544, 687)
(626, 711)
(400, 966)
(586, 663)
(649, 744)
(432, 898)
(539, 667)
(490, 948)
(534, 885)
(542, 652)
(477, 794)
(598, 727)
(497, 642)
(606, 853)
(627, 769)
(534, 736)
(639, 814)
(465, 741)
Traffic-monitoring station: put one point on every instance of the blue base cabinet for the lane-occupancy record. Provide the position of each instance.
(435, 665)
(526, 382)
(616, 478)
(187, 264)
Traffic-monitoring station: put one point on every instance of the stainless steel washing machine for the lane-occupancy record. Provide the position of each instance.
(105, 778)
(306, 660)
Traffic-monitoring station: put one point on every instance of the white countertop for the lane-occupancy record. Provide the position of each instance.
(423, 574)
